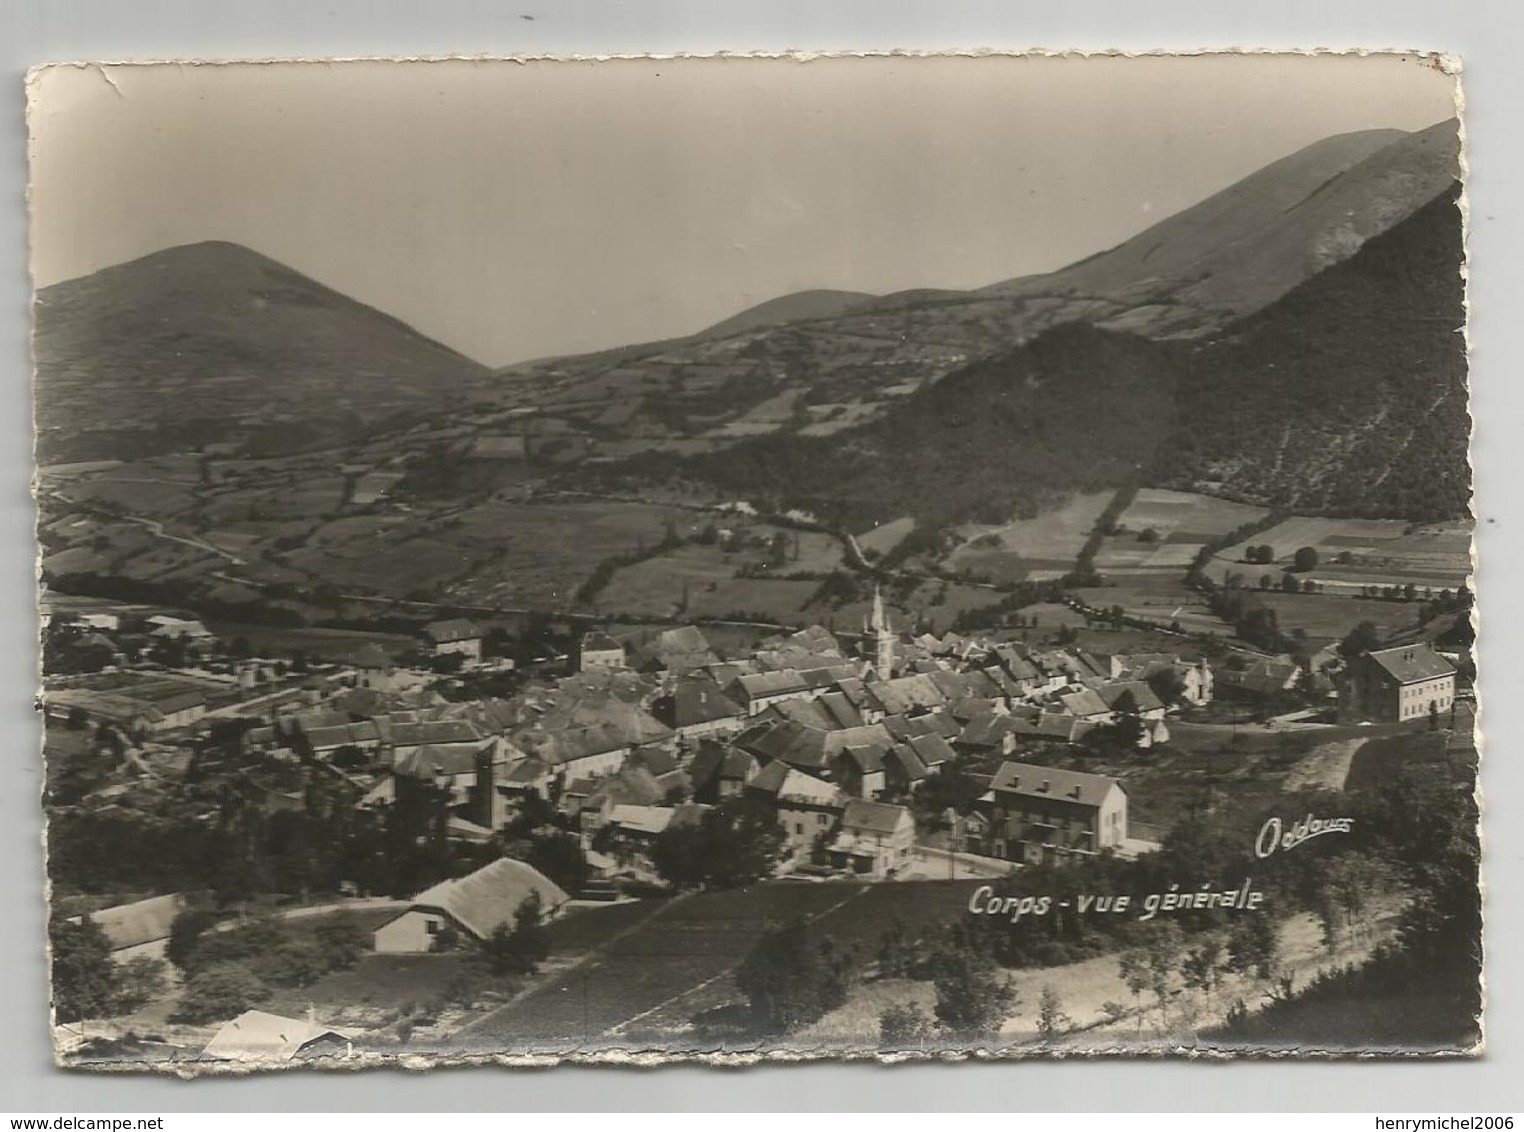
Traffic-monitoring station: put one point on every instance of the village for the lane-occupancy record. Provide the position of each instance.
(612, 778)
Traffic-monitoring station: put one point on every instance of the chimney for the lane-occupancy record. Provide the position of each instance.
(1075, 793)
(1046, 785)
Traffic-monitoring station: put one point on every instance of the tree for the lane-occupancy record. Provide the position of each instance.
(1290, 585)
(559, 857)
(82, 970)
(1167, 684)
(220, 992)
(342, 941)
(896, 952)
(139, 981)
(518, 948)
(1305, 558)
(1051, 1019)
(1363, 638)
(185, 932)
(1148, 534)
(1132, 966)
(735, 844)
(948, 787)
(294, 961)
(1203, 965)
(973, 997)
(903, 1027)
(790, 980)
(1253, 946)
(1163, 950)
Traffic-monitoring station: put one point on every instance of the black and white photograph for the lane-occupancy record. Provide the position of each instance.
(718, 559)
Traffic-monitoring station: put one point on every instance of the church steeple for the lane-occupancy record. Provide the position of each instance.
(883, 637)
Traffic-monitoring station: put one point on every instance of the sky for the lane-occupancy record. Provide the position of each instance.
(515, 210)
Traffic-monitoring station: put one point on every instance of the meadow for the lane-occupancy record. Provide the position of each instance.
(1356, 553)
(1180, 522)
(1038, 549)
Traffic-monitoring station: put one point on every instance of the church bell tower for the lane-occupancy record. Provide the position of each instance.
(883, 638)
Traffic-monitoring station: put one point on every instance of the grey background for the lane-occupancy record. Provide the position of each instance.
(1486, 35)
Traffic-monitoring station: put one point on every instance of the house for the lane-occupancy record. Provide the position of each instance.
(1194, 679)
(638, 825)
(150, 707)
(1131, 697)
(258, 1036)
(525, 776)
(131, 926)
(807, 807)
(591, 751)
(1044, 815)
(593, 800)
(932, 749)
(697, 709)
(170, 628)
(1020, 669)
(830, 711)
(1086, 704)
(1398, 684)
(441, 638)
(906, 695)
(405, 738)
(373, 668)
(599, 650)
(859, 770)
(719, 772)
(676, 652)
(323, 743)
(760, 690)
(990, 733)
(1263, 679)
(466, 777)
(903, 770)
(473, 905)
(875, 838)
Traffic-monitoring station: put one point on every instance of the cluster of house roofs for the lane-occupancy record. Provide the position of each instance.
(644, 737)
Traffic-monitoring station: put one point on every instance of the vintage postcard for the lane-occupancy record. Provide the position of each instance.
(737, 557)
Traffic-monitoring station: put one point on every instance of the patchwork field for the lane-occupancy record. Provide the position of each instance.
(886, 536)
(1327, 617)
(1161, 597)
(1040, 548)
(1355, 553)
(498, 553)
(1166, 530)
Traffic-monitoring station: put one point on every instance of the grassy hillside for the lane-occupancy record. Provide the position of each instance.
(1346, 396)
(1246, 246)
(841, 359)
(212, 341)
(1075, 409)
(789, 308)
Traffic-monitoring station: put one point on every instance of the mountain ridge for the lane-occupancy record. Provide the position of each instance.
(181, 339)
(1345, 396)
